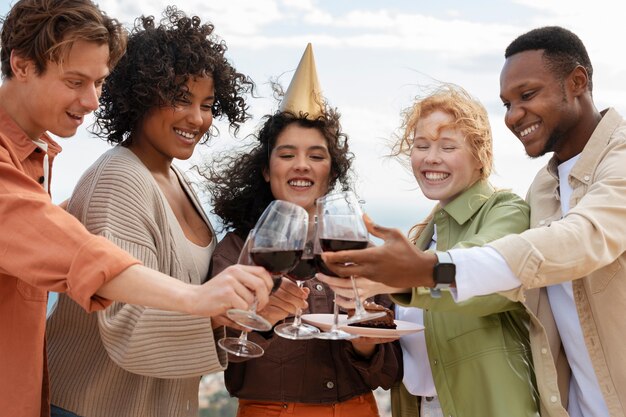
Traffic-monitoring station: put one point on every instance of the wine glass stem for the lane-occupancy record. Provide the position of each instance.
(357, 300)
(243, 337)
(335, 325)
(254, 304)
(297, 319)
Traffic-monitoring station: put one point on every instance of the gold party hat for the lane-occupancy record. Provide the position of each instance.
(304, 94)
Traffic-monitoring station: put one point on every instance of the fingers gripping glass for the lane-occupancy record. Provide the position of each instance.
(276, 243)
(304, 270)
(341, 227)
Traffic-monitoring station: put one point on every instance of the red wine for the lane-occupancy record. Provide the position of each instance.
(278, 279)
(276, 262)
(321, 267)
(305, 270)
(335, 245)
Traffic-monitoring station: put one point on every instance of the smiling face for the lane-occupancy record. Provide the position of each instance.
(299, 167)
(58, 99)
(541, 109)
(173, 131)
(441, 159)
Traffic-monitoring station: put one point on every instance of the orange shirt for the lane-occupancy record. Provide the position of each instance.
(42, 248)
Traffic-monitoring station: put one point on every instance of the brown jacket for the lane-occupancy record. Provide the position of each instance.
(308, 371)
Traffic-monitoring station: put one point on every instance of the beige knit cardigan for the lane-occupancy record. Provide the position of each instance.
(129, 360)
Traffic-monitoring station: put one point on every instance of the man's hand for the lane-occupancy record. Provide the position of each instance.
(397, 263)
(236, 287)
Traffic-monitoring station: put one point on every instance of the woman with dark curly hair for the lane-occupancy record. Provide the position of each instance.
(301, 154)
(157, 104)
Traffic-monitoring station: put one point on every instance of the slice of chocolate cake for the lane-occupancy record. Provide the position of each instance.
(384, 322)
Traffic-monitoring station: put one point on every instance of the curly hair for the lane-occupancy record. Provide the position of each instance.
(238, 189)
(155, 70)
(562, 49)
(45, 30)
(469, 115)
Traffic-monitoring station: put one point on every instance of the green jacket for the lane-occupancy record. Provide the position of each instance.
(479, 350)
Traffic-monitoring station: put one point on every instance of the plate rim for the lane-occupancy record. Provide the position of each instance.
(368, 331)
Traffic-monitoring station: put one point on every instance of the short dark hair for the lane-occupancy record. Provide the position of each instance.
(563, 50)
(159, 61)
(45, 30)
(236, 183)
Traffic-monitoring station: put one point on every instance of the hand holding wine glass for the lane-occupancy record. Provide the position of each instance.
(304, 270)
(276, 243)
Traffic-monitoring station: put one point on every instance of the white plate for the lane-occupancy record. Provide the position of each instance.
(324, 321)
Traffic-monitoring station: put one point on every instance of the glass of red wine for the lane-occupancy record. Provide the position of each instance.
(341, 227)
(276, 243)
(304, 271)
(334, 333)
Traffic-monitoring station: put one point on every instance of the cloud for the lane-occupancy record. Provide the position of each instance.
(372, 59)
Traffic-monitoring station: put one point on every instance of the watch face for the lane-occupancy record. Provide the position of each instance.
(444, 273)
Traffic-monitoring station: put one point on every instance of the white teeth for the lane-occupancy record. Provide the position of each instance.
(436, 176)
(185, 134)
(528, 130)
(300, 183)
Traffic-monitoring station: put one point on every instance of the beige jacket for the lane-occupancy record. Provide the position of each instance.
(586, 246)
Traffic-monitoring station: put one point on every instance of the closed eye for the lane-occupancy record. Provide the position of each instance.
(528, 95)
(74, 83)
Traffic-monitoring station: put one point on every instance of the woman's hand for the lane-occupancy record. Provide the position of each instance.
(366, 289)
(284, 302)
(366, 346)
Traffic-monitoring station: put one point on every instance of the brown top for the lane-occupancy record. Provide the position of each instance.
(307, 371)
(42, 248)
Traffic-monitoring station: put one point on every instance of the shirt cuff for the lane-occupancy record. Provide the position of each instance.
(481, 271)
(97, 262)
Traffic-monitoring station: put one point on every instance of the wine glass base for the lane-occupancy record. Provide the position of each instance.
(293, 332)
(249, 319)
(242, 348)
(336, 335)
(358, 318)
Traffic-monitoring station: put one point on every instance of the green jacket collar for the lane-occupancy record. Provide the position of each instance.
(462, 208)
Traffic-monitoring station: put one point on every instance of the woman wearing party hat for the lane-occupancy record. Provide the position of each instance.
(300, 156)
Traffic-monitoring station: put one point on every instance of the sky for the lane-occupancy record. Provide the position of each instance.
(373, 58)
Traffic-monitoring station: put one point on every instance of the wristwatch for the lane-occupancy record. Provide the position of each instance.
(444, 273)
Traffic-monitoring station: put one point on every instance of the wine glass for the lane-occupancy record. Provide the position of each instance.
(304, 270)
(341, 227)
(276, 243)
(335, 333)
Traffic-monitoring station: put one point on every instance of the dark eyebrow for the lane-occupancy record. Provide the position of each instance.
(311, 148)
